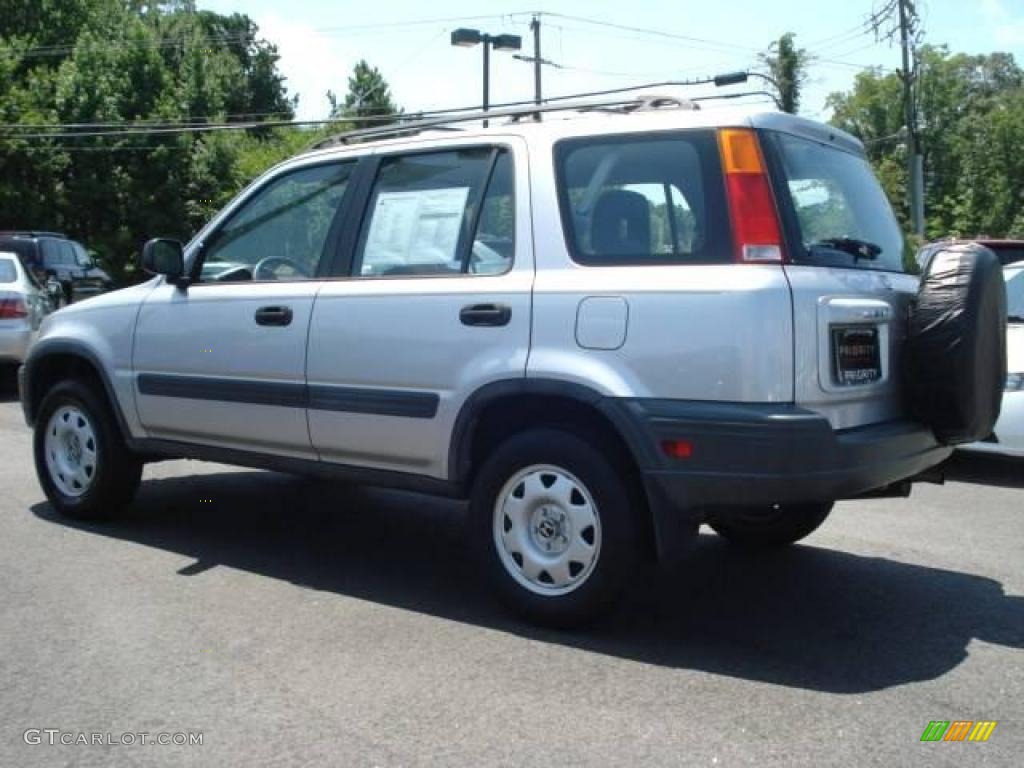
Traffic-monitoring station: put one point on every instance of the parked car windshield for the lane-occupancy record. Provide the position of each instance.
(840, 207)
(1014, 276)
(8, 274)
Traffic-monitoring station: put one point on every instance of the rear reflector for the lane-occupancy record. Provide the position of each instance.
(677, 449)
(755, 222)
(12, 308)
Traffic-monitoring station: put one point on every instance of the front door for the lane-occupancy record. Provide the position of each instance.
(222, 362)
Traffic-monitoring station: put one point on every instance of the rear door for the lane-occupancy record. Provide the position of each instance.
(431, 301)
(850, 293)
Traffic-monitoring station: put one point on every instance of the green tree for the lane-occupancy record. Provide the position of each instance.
(971, 126)
(142, 64)
(368, 96)
(787, 67)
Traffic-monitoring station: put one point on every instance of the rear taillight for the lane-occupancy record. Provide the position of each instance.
(755, 221)
(13, 308)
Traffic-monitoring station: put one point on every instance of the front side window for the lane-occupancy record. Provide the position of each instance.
(82, 258)
(843, 216)
(439, 213)
(53, 253)
(281, 232)
(653, 199)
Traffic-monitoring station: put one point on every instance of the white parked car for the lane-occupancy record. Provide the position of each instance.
(1008, 436)
(23, 305)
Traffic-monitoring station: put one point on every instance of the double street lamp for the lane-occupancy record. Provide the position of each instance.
(467, 38)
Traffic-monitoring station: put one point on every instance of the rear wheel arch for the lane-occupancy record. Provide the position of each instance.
(500, 410)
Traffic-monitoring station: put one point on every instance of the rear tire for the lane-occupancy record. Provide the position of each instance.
(775, 526)
(553, 524)
(83, 464)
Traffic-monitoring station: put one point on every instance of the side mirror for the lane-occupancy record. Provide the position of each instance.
(162, 256)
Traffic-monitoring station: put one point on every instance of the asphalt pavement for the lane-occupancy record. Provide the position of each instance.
(298, 622)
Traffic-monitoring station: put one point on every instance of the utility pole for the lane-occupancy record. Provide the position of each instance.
(487, 78)
(535, 28)
(915, 165)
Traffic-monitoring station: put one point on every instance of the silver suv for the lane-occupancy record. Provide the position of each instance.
(603, 328)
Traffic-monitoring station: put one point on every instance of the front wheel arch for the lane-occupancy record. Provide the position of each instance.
(52, 362)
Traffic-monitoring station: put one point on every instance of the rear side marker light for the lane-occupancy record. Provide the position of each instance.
(755, 220)
(677, 449)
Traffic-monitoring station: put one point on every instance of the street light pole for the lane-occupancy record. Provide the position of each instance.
(467, 38)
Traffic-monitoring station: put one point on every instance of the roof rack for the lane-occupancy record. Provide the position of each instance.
(30, 233)
(635, 103)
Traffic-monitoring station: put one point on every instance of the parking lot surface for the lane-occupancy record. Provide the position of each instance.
(295, 622)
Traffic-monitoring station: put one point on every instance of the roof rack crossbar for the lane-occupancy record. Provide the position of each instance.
(622, 103)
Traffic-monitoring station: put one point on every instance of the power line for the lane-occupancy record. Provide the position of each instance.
(652, 32)
(61, 49)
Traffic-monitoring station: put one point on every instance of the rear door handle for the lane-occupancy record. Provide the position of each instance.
(274, 316)
(486, 314)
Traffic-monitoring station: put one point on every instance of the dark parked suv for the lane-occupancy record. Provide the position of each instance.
(51, 253)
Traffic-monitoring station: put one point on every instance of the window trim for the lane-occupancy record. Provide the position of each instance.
(560, 151)
(330, 241)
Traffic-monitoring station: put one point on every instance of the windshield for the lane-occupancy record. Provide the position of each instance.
(1015, 293)
(843, 216)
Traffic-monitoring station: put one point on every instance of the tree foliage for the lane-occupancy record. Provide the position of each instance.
(368, 96)
(971, 129)
(123, 62)
(787, 67)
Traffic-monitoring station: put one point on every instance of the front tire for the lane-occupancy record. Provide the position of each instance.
(84, 467)
(774, 526)
(554, 525)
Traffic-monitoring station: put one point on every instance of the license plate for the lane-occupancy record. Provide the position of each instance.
(855, 356)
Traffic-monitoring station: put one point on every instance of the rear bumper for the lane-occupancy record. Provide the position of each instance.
(755, 454)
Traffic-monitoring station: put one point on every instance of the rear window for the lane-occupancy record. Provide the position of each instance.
(649, 199)
(8, 274)
(836, 199)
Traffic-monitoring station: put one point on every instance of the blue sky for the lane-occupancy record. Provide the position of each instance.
(320, 41)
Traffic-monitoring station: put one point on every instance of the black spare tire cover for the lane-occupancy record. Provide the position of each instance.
(955, 355)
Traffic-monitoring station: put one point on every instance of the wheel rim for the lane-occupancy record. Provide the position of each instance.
(547, 530)
(72, 451)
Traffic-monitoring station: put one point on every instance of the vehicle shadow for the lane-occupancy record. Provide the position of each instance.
(8, 383)
(806, 617)
(985, 469)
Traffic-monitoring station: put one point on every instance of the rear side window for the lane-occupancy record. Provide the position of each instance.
(25, 249)
(440, 213)
(837, 202)
(650, 199)
(8, 274)
(53, 254)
